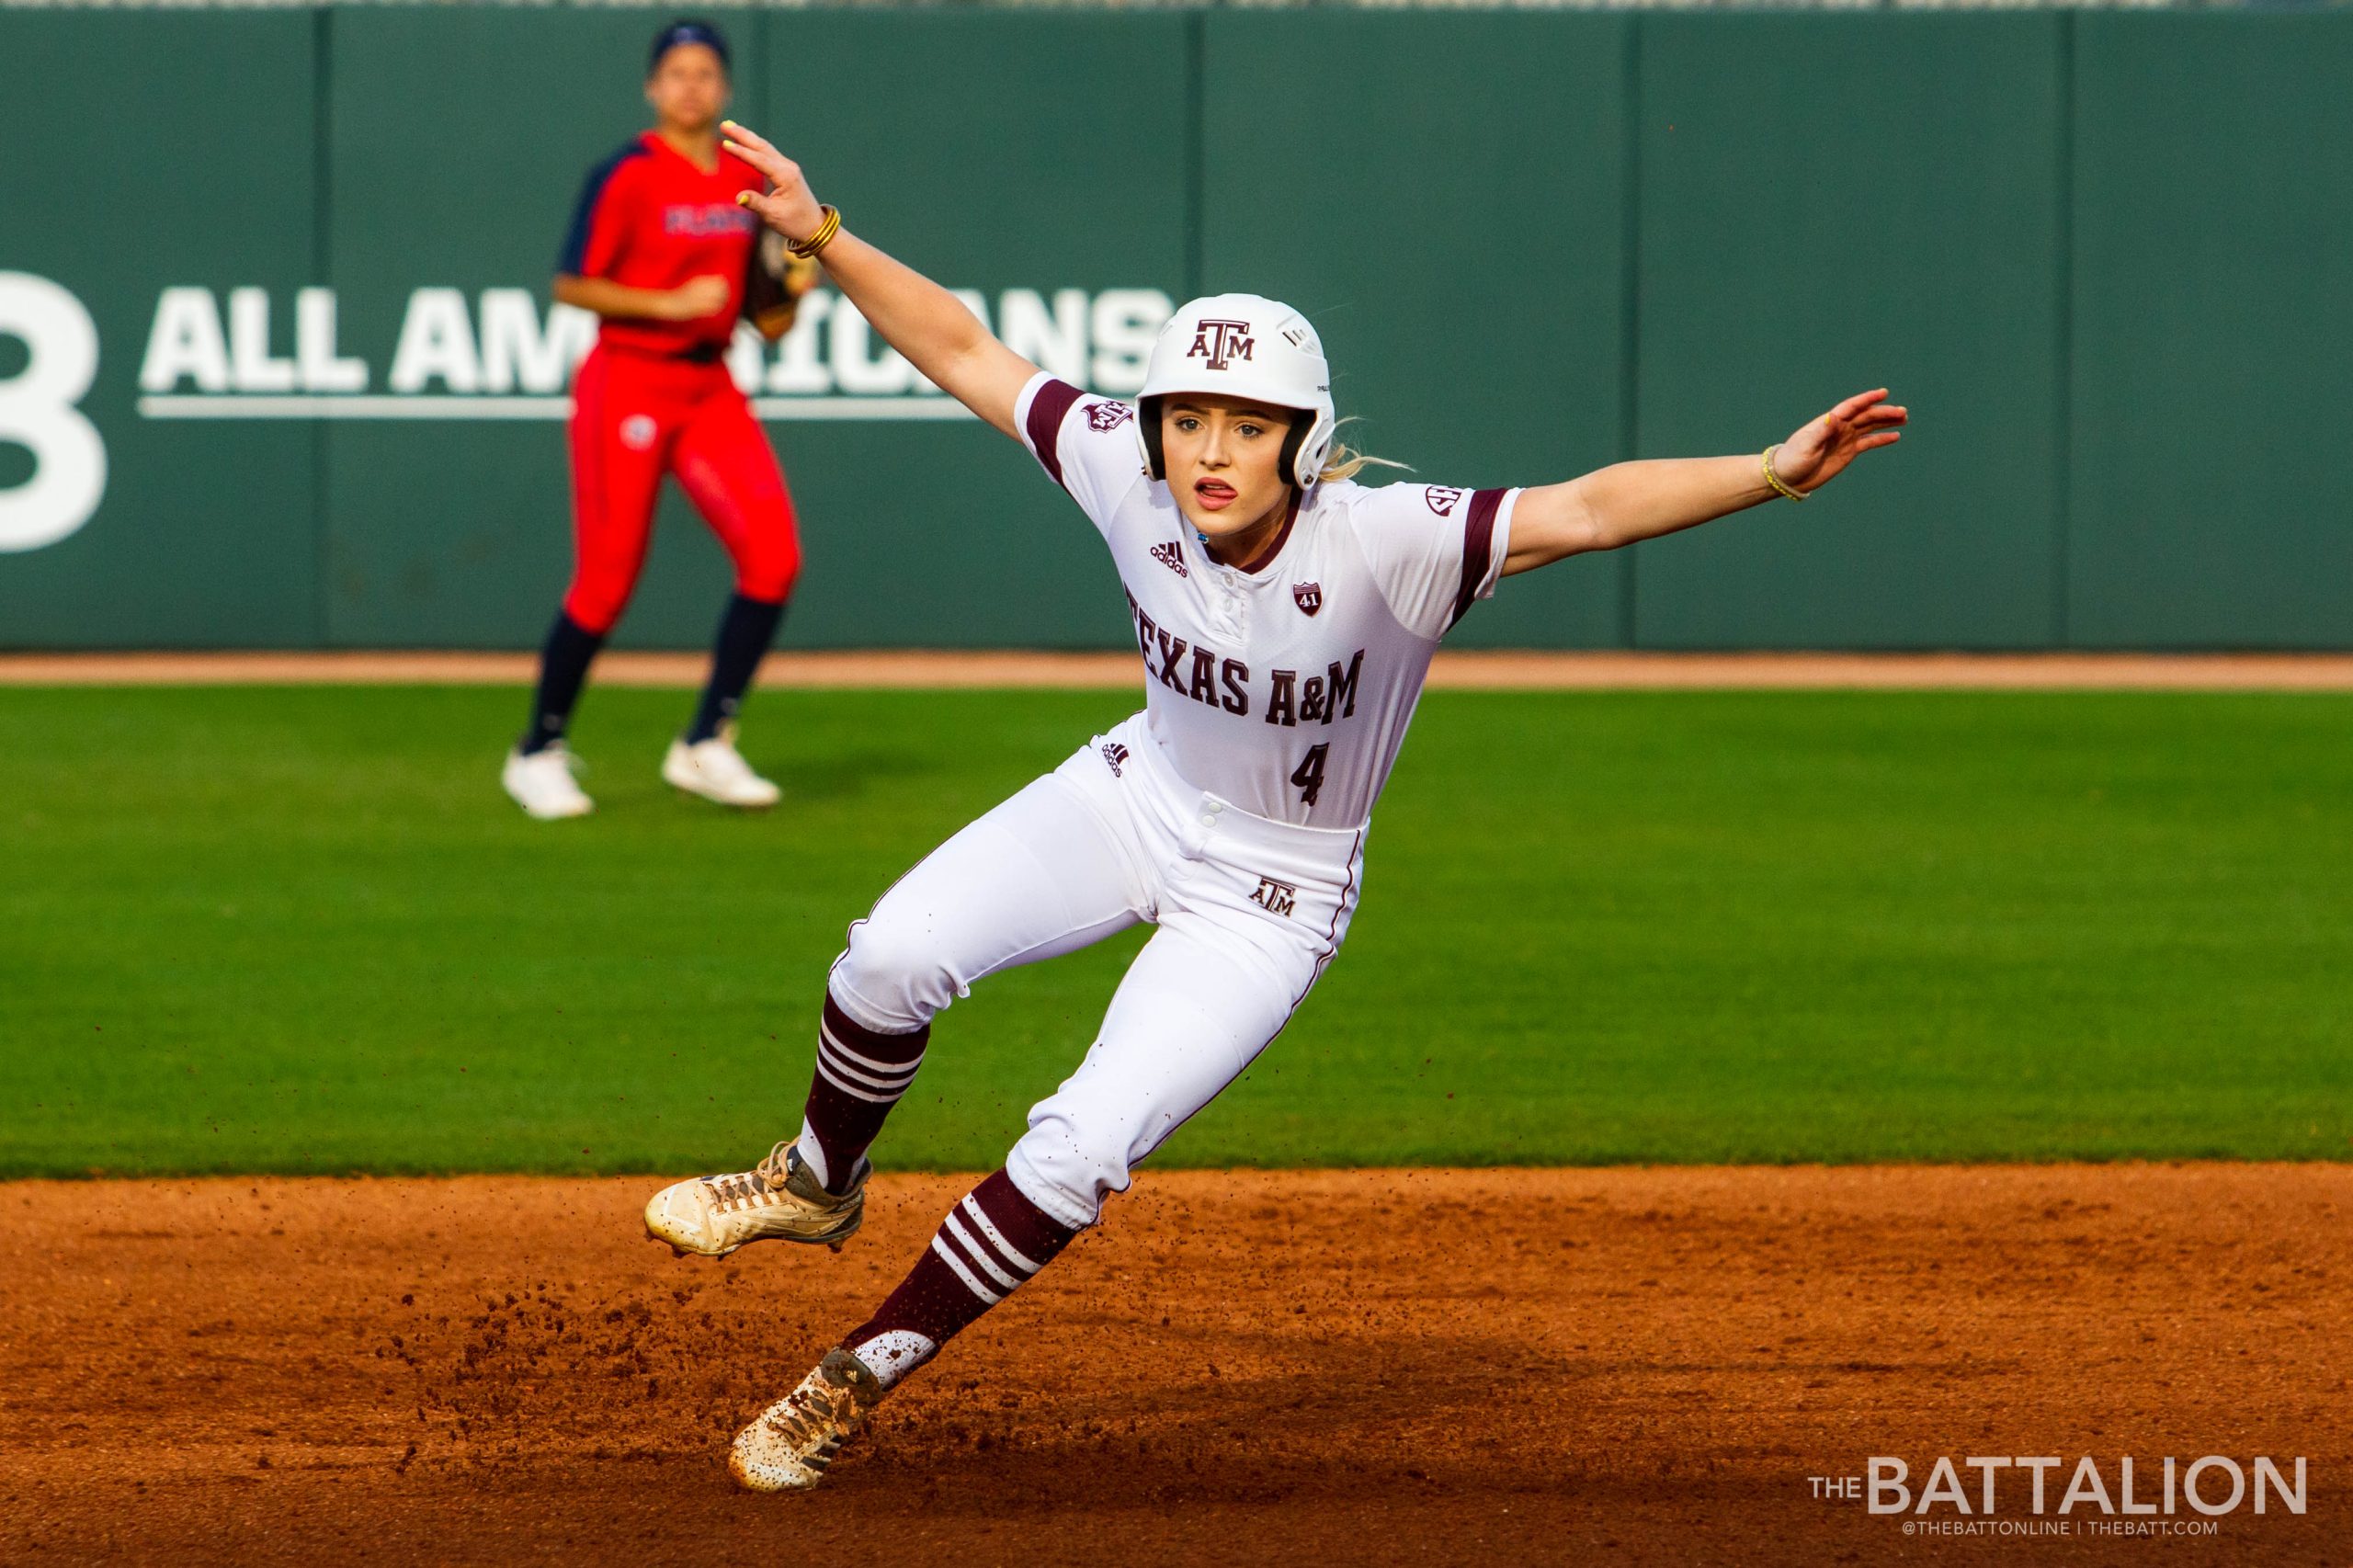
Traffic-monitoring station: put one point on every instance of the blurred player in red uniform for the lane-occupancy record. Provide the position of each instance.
(661, 250)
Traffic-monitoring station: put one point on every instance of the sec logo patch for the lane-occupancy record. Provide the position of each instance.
(638, 431)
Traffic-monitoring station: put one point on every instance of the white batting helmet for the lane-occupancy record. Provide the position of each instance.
(1250, 346)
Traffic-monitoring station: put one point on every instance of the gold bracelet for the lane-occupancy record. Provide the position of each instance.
(823, 237)
(1774, 479)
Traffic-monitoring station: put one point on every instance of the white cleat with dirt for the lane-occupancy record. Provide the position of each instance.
(541, 783)
(778, 1200)
(717, 771)
(793, 1443)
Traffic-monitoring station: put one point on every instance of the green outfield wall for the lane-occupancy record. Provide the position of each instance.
(278, 367)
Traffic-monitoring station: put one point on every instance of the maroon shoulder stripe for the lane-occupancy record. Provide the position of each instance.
(1045, 423)
(1478, 548)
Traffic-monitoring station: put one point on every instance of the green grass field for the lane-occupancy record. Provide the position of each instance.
(301, 930)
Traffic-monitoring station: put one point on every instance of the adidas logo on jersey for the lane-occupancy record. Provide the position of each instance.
(1173, 557)
(1115, 755)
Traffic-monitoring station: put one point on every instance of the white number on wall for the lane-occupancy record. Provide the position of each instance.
(37, 412)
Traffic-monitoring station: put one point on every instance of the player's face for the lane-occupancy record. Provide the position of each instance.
(688, 88)
(1223, 460)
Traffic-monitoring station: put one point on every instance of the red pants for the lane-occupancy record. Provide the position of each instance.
(635, 418)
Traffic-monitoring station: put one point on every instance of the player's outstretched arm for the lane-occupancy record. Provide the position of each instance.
(694, 298)
(1626, 502)
(915, 315)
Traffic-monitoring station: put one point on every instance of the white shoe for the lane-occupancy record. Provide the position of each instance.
(792, 1444)
(779, 1198)
(541, 783)
(717, 771)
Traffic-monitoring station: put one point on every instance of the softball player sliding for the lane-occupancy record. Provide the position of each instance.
(663, 252)
(1286, 617)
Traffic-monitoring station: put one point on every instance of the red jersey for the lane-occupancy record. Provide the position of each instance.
(650, 219)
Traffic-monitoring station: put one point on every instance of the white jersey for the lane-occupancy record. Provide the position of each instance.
(1285, 689)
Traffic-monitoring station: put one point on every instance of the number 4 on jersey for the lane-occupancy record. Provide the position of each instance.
(1309, 774)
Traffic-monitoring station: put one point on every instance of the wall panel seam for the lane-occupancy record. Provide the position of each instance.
(1196, 24)
(1630, 305)
(321, 240)
(2063, 373)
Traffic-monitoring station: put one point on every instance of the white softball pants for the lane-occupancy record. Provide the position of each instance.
(1249, 912)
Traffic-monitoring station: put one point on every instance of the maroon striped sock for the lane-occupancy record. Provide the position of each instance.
(860, 1075)
(990, 1244)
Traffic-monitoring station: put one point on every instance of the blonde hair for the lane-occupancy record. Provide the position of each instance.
(1345, 461)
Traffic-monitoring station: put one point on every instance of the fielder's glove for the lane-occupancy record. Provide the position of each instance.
(778, 279)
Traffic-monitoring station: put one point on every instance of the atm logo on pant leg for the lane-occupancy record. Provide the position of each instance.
(1274, 897)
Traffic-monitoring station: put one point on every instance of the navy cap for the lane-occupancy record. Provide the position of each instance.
(688, 30)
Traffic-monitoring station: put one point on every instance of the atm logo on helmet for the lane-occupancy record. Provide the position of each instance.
(1221, 342)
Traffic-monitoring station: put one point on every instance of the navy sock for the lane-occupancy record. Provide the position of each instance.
(745, 633)
(563, 667)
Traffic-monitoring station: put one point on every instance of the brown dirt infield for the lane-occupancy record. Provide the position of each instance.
(1635, 1365)
(1458, 669)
